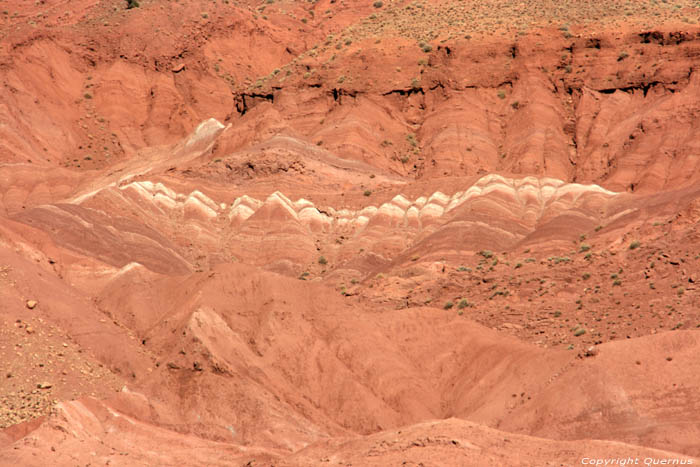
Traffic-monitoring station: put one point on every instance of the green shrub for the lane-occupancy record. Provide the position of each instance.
(322, 260)
(378, 4)
(463, 303)
(559, 259)
(132, 4)
(448, 305)
(634, 245)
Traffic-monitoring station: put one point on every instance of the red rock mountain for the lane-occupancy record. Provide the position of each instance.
(349, 233)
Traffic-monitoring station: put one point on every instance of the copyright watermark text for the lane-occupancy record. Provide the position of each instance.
(622, 461)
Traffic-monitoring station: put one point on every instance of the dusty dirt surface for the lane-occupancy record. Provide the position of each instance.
(349, 233)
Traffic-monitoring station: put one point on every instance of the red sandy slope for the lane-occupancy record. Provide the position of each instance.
(230, 236)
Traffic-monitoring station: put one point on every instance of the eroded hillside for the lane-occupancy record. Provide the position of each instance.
(294, 233)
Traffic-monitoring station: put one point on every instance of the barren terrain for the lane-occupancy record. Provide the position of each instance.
(349, 233)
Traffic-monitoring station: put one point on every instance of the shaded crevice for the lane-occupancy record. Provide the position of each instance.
(593, 43)
(404, 92)
(652, 36)
(630, 89)
(658, 37)
(338, 94)
(447, 49)
(676, 38)
(245, 102)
